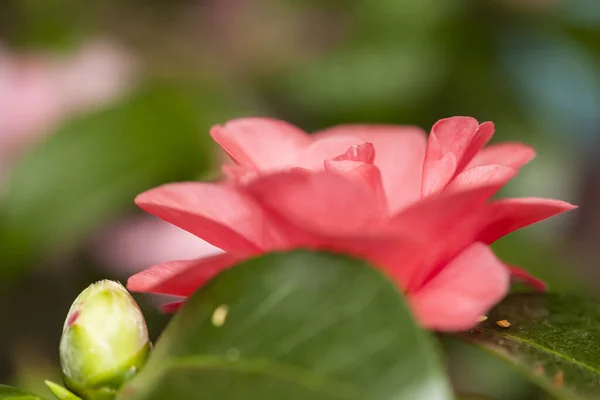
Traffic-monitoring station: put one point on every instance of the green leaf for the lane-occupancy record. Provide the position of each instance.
(361, 79)
(11, 393)
(60, 392)
(542, 260)
(293, 326)
(93, 167)
(554, 339)
(465, 396)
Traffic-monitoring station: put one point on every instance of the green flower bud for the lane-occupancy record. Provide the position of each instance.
(104, 341)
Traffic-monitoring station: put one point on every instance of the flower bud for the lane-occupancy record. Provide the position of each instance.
(104, 341)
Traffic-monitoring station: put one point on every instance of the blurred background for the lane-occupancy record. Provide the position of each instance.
(102, 100)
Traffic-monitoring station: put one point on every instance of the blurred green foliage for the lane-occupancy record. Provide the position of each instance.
(94, 166)
(531, 66)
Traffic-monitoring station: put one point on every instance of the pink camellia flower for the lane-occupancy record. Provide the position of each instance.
(419, 209)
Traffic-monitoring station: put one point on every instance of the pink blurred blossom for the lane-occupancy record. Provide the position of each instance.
(40, 90)
(131, 245)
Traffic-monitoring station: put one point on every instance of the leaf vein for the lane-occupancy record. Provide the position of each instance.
(549, 351)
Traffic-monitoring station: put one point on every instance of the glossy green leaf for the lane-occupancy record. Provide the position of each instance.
(93, 168)
(11, 393)
(60, 392)
(554, 339)
(293, 326)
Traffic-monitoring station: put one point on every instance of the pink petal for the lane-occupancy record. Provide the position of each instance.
(507, 215)
(364, 153)
(415, 243)
(481, 176)
(222, 215)
(400, 151)
(533, 282)
(438, 214)
(238, 174)
(463, 291)
(328, 148)
(171, 308)
(261, 143)
(322, 203)
(133, 244)
(482, 137)
(509, 154)
(396, 255)
(449, 223)
(365, 174)
(452, 143)
(180, 278)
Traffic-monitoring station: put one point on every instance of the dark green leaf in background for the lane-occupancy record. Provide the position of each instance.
(554, 339)
(11, 393)
(464, 396)
(294, 326)
(570, 100)
(92, 169)
(542, 261)
(362, 80)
